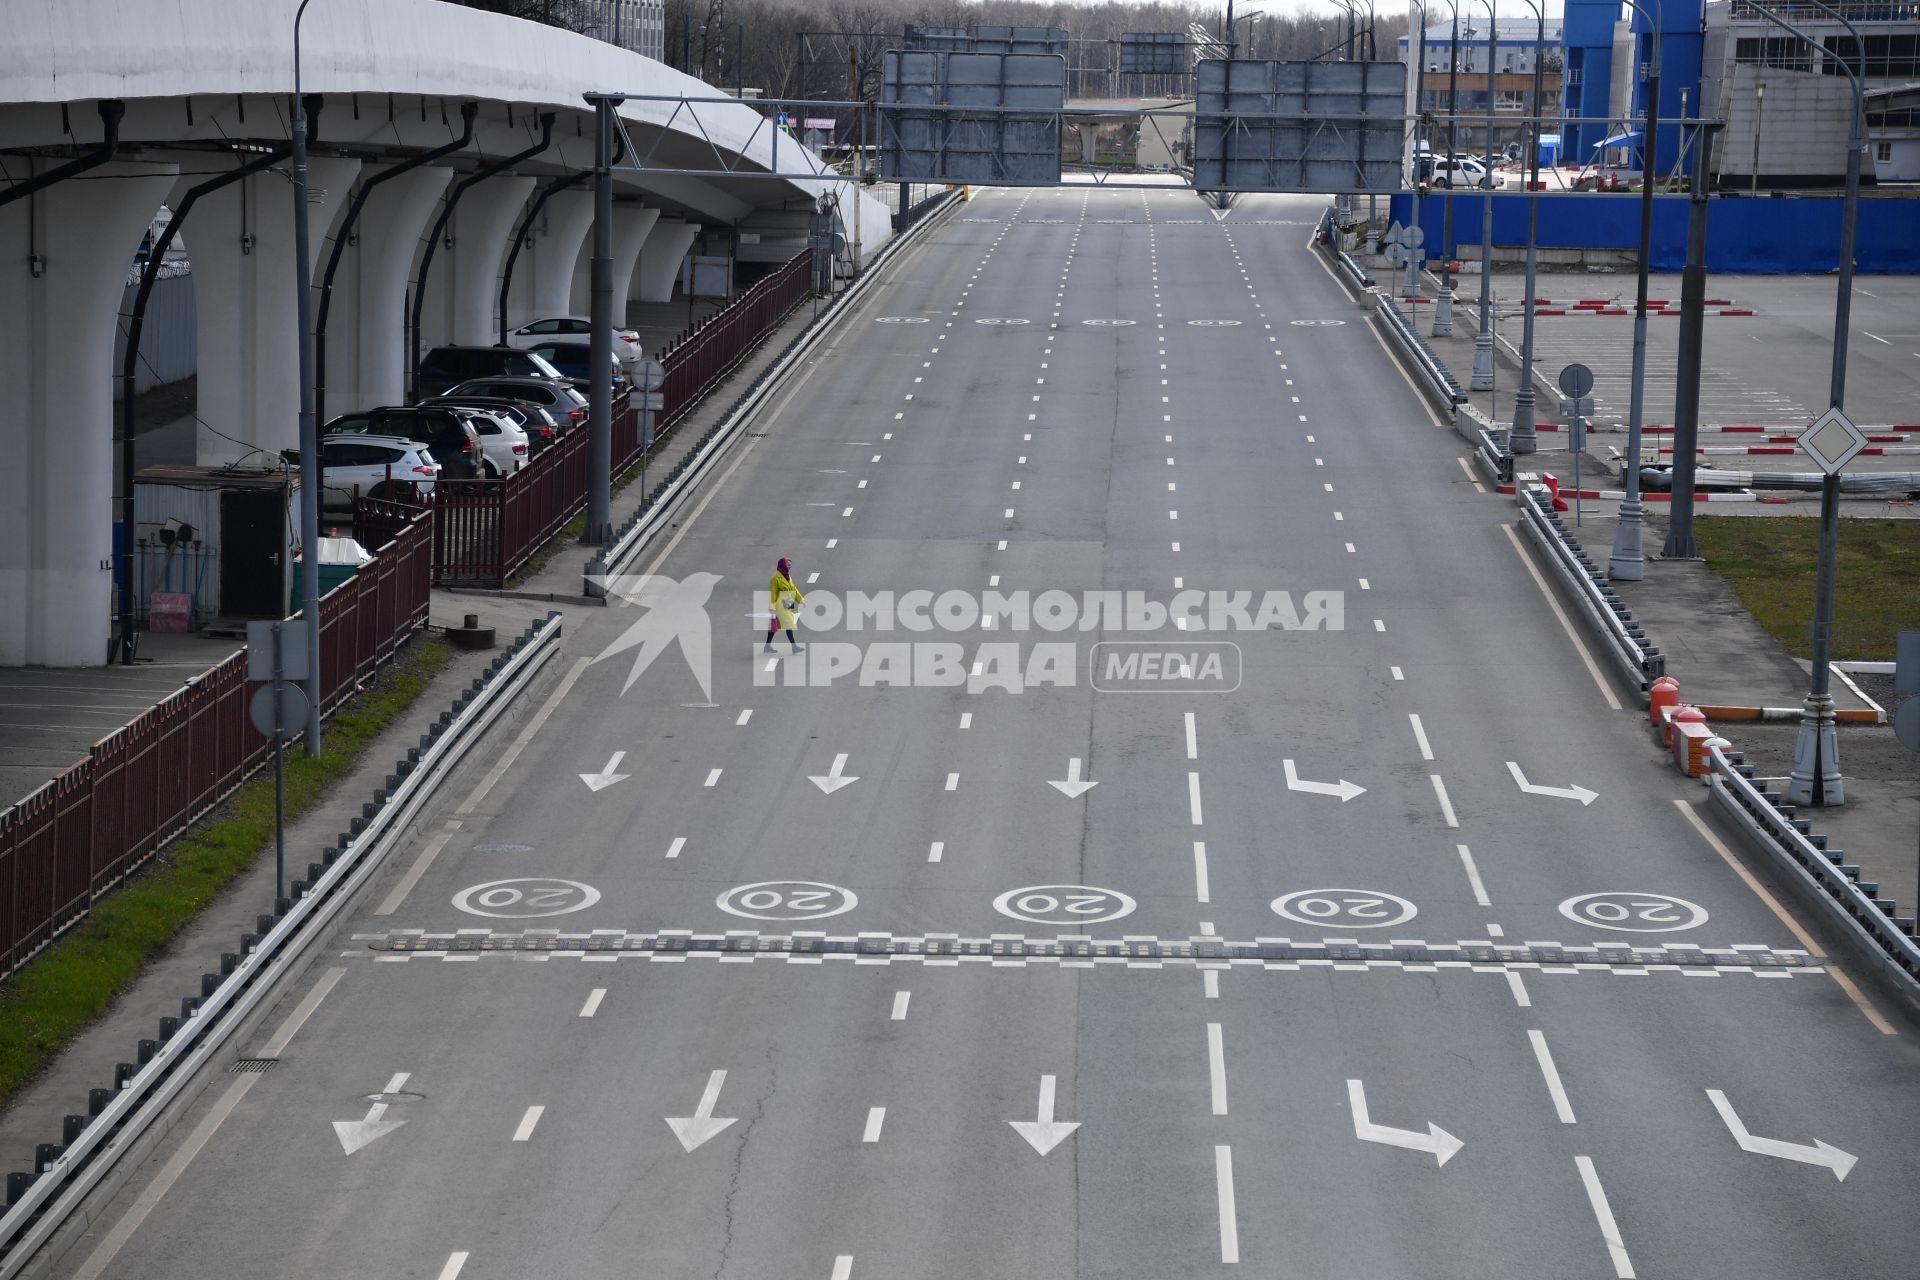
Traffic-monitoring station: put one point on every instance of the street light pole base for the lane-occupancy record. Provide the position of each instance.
(1482, 363)
(1521, 437)
(1628, 562)
(1816, 757)
(1443, 312)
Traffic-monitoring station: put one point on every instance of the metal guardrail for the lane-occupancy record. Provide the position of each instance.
(654, 509)
(1853, 904)
(1439, 384)
(1637, 657)
(40, 1202)
(1493, 456)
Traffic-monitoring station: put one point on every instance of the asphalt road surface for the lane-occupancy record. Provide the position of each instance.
(1220, 989)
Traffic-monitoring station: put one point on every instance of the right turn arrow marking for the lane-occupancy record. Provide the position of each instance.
(1579, 793)
(1818, 1153)
(1344, 789)
(1435, 1141)
(703, 1124)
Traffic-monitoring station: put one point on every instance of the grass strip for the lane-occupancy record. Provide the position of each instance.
(61, 991)
(1771, 564)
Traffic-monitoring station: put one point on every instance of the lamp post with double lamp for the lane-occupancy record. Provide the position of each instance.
(1443, 305)
(1627, 563)
(1816, 753)
(309, 431)
(1520, 436)
(1482, 379)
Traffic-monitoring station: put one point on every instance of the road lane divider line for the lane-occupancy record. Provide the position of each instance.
(1558, 1091)
(936, 851)
(679, 843)
(1193, 797)
(592, 1006)
(1603, 1214)
(1229, 1216)
(1519, 989)
(900, 1000)
(1446, 805)
(527, 1123)
(1193, 744)
(1420, 734)
(1210, 983)
(1566, 625)
(456, 1263)
(713, 777)
(876, 1116)
(1473, 876)
(1200, 888)
(1217, 1068)
(843, 1267)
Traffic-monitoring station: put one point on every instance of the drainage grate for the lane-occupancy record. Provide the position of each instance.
(256, 1065)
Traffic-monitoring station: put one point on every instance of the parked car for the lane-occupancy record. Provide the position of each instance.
(443, 367)
(539, 423)
(504, 448)
(391, 467)
(557, 395)
(626, 342)
(1461, 171)
(573, 358)
(450, 437)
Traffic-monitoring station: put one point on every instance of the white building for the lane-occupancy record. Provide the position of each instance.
(638, 26)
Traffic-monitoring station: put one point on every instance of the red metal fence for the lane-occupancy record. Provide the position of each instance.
(78, 836)
(710, 352)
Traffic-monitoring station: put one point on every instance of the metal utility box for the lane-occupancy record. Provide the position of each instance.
(223, 536)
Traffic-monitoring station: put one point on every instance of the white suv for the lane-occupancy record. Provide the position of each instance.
(377, 466)
(1461, 171)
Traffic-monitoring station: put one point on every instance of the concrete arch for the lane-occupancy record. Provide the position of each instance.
(660, 258)
(367, 361)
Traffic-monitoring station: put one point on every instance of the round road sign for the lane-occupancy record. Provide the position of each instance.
(293, 710)
(1576, 380)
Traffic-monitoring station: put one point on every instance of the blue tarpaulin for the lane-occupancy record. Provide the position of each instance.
(1618, 140)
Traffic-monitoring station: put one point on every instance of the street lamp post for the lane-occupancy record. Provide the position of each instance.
(1628, 563)
(1443, 305)
(309, 431)
(1759, 114)
(1482, 379)
(1521, 437)
(1816, 753)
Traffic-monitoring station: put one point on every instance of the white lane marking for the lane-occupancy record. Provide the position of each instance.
(592, 1006)
(1379, 624)
(937, 851)
(1217, 1068)
(1446, 805)
(843, 1267)
(679, 843)
(1176, 546)
(994, 580)
(1544, 1056)
(832, 543)
(1397, 675)
(900, 999)
(1193, 745)
(876, 1116)
(1365, 585)
(150, 1198)
(713, 777)
(1003, 544)
(527, 1122)
(1350, 549)
(745, 716)
(455, 1262)
(1210, 983)
(966, 719)
(1420, 736)
(1519, 989)
(414, 873)
(1566, 624)
(1200, 871)
(815, 575)
(1495, 931)
(845, 512)
(1229, 1219)
(1339, 515)
(953, 782)
(1193, 797)
(1473, 876)
(1603, 1214)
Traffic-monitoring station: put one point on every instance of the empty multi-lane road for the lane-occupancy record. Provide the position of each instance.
(1351, 931)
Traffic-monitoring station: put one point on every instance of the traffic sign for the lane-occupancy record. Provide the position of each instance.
(1576, 380)
(1396, 253)
(654, 400)
(1581, 407)
(292, 717)
(648, 374)
(1832, 440)
(293, 650)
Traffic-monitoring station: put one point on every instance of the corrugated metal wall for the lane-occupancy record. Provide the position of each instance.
(170, 339)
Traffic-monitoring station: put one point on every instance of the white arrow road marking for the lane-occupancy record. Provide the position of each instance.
(1435, 1141)
(1045, 1133)
(1579, 793)
(1818, 1153)
(1072, 787)
(834, 779)
(702, 1124)
(355, 1134)
(606, 777)
(1344, 789)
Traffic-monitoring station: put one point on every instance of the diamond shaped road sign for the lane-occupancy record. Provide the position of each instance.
(1832, 440)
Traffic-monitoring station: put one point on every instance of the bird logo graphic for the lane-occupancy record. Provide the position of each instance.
(676, 611)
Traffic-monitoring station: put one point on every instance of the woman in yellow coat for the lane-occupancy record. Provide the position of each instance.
(785, 599)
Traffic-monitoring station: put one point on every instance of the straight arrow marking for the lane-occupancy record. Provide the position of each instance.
(1344, 789)
(834, 779)
(606, 777)
(1072, 786)
(1576, 792)
(1818, 1153)
(1436, 1141)
(1044, 1133)
(702, 1124)
(355, 1134)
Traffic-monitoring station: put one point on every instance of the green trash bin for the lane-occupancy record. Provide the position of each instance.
(340, 559)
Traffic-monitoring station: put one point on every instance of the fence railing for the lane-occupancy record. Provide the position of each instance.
(139, 787)
(710, 352)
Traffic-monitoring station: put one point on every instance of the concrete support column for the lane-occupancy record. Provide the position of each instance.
(63, 279)
(465, 285)
(631, 226)
(543, 280)
(366, 339)
(661, 256)
(242, 242)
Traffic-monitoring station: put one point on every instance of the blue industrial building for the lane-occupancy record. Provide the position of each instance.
(1586, 78)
